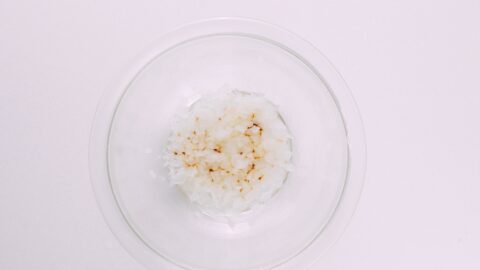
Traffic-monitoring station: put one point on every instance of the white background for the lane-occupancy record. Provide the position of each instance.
(413, 66)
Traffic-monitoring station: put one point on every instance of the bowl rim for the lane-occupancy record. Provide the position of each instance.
(306, 52)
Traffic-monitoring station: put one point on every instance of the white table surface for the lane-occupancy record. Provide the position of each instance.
(413, 67)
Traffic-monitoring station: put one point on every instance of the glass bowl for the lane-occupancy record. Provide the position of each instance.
(155, 222)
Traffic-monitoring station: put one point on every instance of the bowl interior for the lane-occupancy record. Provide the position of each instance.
(162, 217)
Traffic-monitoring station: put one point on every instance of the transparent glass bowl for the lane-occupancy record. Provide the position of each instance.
(155, 222)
